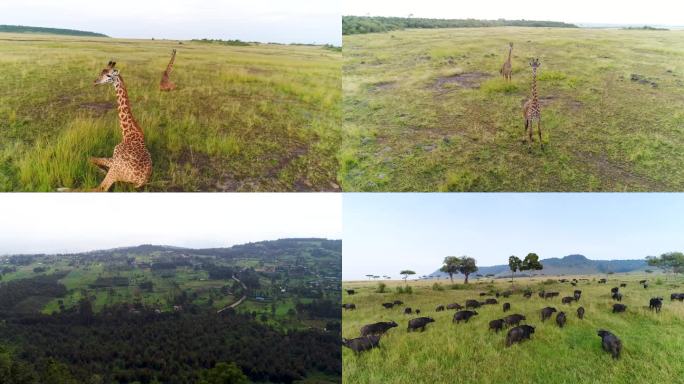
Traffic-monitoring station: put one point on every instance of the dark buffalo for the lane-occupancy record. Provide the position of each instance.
(551, 294)
(491, 301)
(514, 319)
(518, 334)
(568, 299)
(645, 285)
(506, 293)
(602, 281)
(439, 308)
(398, 302)
(573, 284)
(506, 307)
(622, 285)
(417, 311)
(362, 343)
(419, 323)
(580, 312)
(483, 293)
(577, 294)
(541, 294)
(614, 290)
(610, 343)
(407, 311)
(560, 319)
(472, 304)
(656, 303)
(454, 306)
(349, 306)
(463, 315)
(642, 281)
(377, 328)
(547, 312)
(617, 296)
(388, 305)
(619, 308)
(497, 325)
(527, 295)
(677, 296)
(350, 291)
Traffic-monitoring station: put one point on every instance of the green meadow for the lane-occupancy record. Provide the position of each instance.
(427, 110)
(447, 352)
(262, 117)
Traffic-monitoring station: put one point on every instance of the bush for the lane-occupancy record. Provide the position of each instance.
(498, 86)
(659, 281)
(437, 287)
(457, 286)
(381, 287)
(549, 282)
(406, 289)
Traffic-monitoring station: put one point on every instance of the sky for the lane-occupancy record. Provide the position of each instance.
(652, 12)
(290, 21)
(74, 222)
(386, 233)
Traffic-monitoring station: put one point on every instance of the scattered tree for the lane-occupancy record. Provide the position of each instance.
(407, 273)
(514, 263)
(224, 373)
(531, 263)
(450, 266)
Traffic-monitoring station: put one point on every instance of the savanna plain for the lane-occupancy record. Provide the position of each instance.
(448, 352)
(244, 117)
(428, 110)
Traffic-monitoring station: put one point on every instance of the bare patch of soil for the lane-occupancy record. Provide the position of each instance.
(469, 80)
(383, 86)
(98, 107)
(617, 172)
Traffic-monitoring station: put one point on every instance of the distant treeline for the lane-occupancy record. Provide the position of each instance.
(368, 24)
(51, 31)
(238, 43)
(646, 28)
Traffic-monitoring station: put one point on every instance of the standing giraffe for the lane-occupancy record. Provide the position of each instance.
(507, 69)
(131, 162)
(531, 109)
(166, 84)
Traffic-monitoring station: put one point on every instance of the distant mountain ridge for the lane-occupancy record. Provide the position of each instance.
(50, 31)
(568, 265)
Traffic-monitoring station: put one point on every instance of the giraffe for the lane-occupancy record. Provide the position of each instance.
(531, 109)
(131, 161)
(166, 84)
(507, 69)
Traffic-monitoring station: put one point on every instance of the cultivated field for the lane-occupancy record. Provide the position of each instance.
(469, 353)
(426, 110)
(244, 118)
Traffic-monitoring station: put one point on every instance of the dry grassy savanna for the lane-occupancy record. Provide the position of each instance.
(244, 118)
(427, 110)
(469, 353)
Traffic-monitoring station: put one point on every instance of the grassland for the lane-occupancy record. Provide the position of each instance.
(248, 118)
(426, 110)
(469, 353)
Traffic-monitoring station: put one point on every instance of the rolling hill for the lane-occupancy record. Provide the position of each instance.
(49, 31)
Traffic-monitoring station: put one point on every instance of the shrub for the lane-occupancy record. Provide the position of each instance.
(407, 289)
(659, 281)
(498, 86)
(437, 287)
(457, 286)
(381, 287)
(549, 282)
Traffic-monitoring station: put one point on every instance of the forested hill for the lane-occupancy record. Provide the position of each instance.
(50, 31)
(368, 24)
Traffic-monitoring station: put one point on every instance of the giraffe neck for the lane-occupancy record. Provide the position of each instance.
(534, 86)
(129, 127)
(510, 49)
(170, 66)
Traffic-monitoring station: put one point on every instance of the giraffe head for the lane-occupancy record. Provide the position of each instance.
(510, 45)
(108, 75)
(534, 63)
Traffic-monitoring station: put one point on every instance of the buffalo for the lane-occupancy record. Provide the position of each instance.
(483, 293)
(617, 296)
(472, 304)
(454, 306)
(350, 291)
(643, 281)
(560, 319)
(439, 308)
(506, 307)
(362, 343)
(514, 319)
(580, 312)
(547, 312)
(610, 343)
(577, 294)
(491, 301)
(622, 285)
(614, 290)
(417, 311)
(619, 308)
(419, 323)
(463, 315)
(377, 328)
(388, 305)
(407, 311)
(677, 296)
(497, 325)
(656, 303)
(349, 306)
(398, 302)
(518, 334)
(506, 293)
(551, 294)
(645, 285)
(541, 294)
(568, 299)
(527, 295)
(602, 281)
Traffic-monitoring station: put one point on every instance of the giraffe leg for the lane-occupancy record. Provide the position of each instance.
(104, 163)
(107, 183)
(541, 142)
(527, 124)
(530, 131)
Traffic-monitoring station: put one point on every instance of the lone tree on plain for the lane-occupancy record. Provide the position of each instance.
(515, 264)
(407, 273)
(467, 266)
(450, 266)
(668, 262)
(369, 276)
(531, 263)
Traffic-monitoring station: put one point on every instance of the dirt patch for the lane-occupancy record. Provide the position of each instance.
(617, 172)
(97, 107)
(382, 86)
(643, 80)
(470, 80)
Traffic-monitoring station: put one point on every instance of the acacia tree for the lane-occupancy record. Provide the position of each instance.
(668, 262)
(450, 266)
(531, 263)
(515, 264)
(466, 266)
(407, 273)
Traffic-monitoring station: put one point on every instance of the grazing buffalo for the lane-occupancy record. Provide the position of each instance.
(454, 306)
(349, 306)
(677, 296)
(527, 295)
(518, 334)
(506, 293)
(643, 281)
(377, 328)
(619, 308)
(541, 294)
(614, 290)
(497, 325)
(514, 319)
(491, 301)
(407, 311)
(417, 311)
(622, 285)
(610, 343)
(463, 315)
(483, 293)
(362, 343)
(551, 294)
(656, 303)
(398, 302)
(472, 304)
(506, 307)
(350, 291)
(580, 312)
(602, 281)
(574, 284)
(617, 296)
(388, 305)
(645, 285)
(560, 319)
(419, 323)
(547, 312)
(568, 299)
(577, 294)
(497, 294)
(439, 308)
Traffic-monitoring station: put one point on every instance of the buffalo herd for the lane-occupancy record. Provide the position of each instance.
(371, 333)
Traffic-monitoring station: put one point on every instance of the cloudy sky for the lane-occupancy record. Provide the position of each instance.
(662, 12)
(51, 223)
(385, 233)
(299, 21)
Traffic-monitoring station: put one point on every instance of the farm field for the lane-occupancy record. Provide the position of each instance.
(262, 117)
(447, 352)
(427, 110)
